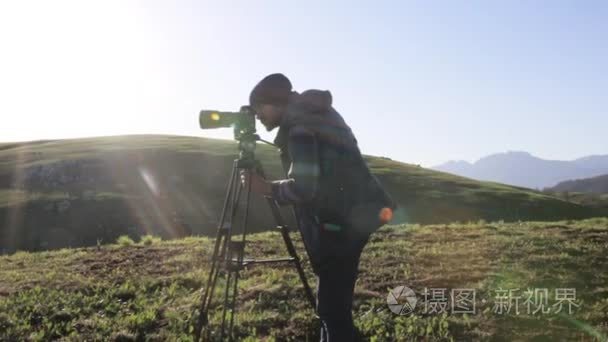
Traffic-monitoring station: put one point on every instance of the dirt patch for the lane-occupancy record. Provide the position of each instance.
(136, 259)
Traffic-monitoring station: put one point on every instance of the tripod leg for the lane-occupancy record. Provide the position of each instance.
(232, 304)
(292, 252)
(224, 309)
(274, 208)
(241, 255)
(220, 241)
(232, 271)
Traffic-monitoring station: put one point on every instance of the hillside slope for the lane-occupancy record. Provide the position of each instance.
(597, 185)
(79, 192)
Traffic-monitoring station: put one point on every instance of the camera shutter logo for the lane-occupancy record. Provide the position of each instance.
(401, 300)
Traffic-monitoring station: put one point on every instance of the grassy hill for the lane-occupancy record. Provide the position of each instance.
(596, 185)
(79, 192)
(126, 292)
(587, 199)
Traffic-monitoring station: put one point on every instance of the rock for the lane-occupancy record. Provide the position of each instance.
(60, 174)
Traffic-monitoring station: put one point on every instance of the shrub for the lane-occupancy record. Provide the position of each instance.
(148, 240)
(125, 240)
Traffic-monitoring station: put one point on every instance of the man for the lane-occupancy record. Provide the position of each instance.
(337, 201)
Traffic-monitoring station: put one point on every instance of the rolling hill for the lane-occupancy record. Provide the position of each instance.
(597, 185)
(82, 192)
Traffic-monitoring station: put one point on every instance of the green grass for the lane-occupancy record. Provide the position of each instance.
(587, 199)
(14, 197)
(151, 292)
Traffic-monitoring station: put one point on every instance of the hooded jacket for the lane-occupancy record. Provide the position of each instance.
(326, 175)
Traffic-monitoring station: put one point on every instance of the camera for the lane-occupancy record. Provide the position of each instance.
(242, 122)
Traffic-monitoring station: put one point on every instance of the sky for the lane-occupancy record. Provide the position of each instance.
(421, 82)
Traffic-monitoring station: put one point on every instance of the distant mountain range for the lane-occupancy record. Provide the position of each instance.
(598, 185)
(523, 169)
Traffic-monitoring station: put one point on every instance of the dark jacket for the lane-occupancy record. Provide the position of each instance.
(327, 176)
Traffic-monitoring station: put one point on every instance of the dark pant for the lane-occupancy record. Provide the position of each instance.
(335, 260)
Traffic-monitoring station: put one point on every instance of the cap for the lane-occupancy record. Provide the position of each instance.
(272, 89)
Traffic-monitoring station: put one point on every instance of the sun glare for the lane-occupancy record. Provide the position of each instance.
(69, 68)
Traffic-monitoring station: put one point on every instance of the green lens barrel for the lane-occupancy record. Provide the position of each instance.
(216, 119)
(242, 122)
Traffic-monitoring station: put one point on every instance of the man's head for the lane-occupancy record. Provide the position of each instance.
(269, 99)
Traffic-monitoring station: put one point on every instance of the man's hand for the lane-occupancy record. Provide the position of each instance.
(258, 184)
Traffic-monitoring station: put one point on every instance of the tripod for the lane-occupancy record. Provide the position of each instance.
(229, 254)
